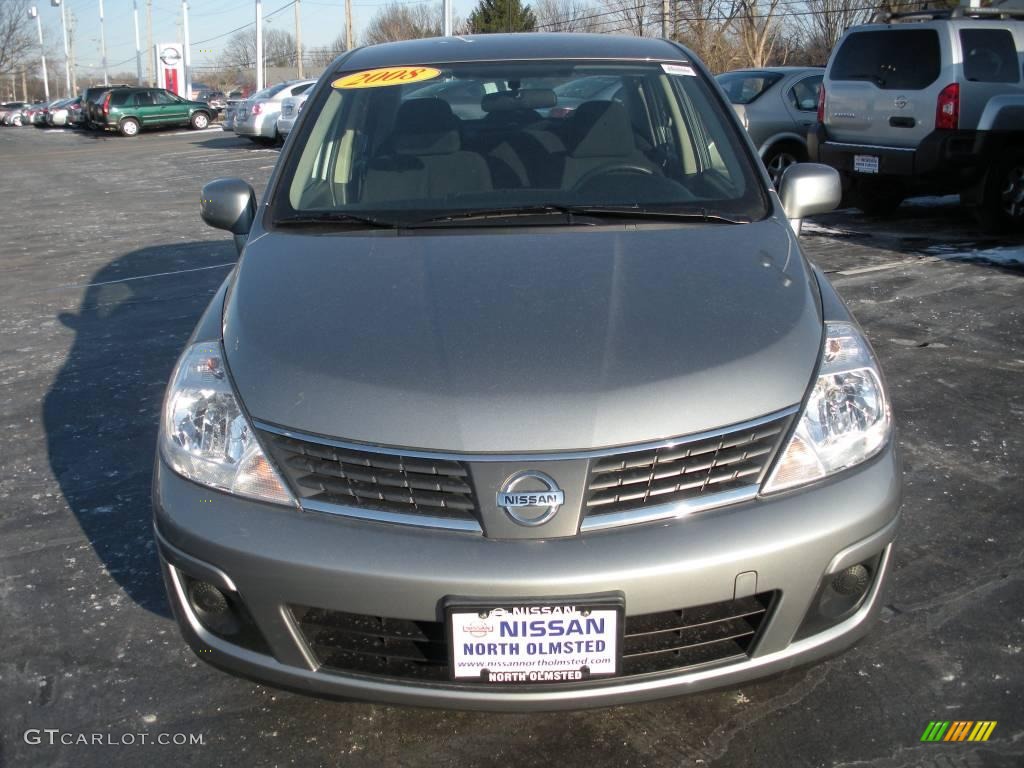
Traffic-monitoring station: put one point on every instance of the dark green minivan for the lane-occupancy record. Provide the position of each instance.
(131, 109)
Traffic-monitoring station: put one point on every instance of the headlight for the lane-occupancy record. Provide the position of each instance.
(204, 435)
(847, 419)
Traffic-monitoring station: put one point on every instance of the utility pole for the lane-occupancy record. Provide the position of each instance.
(185, 50)
(71, 54)
(138, 50)
(64, 28)
(298, 36)
(103, 46)
(664, 19)
(348, 25)
(259, 45)
(446, 8)
(33, 13)
(150, 55)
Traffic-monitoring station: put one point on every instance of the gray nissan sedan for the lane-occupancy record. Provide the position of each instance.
(539, 409)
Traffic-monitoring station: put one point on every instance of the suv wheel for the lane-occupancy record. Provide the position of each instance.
(780, 157)
(129, 126)
(876, 198)
(199, 121)
(16, 120)
(1002, 200)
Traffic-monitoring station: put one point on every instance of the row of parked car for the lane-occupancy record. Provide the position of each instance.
(267, 116)
(123, 108)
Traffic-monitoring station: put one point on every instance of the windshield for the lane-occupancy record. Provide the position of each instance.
(745, 87)
(395, 151)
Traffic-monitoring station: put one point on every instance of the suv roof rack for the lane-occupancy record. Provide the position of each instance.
(960, 12)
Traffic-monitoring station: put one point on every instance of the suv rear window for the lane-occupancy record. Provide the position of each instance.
(892, 59)
(989, 56)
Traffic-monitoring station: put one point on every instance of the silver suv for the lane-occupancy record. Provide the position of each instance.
(928, 102)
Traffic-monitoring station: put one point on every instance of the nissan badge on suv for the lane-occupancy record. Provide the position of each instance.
(535, 409)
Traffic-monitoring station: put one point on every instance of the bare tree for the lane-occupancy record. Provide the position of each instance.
(759, 31)
(403, 22)
(240, 50)
(633, 17)
(825, 22)
(707, 28)
(17, 35)
(568, 16)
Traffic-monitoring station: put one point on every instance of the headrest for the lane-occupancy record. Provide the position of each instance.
(513, 101)
(426, 127)
(601, 129)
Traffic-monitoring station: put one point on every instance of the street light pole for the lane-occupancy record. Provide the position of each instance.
(185, 46)
(298, 36)
(67, 59)
(259, 45)
(446, 8)
(138, 47)
(103, 46)
(34, 14)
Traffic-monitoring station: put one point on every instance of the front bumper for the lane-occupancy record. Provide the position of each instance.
(274, 557)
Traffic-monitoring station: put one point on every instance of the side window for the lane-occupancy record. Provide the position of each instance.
(162, 97)
(122, 99)
(301, 89)
(804, 95)
(144, 99)
(989, 56)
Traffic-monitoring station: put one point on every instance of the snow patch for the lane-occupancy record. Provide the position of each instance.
(1009, 255)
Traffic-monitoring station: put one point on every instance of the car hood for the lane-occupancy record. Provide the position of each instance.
(523, 341)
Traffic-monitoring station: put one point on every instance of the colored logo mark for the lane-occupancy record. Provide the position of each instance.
(958, 730)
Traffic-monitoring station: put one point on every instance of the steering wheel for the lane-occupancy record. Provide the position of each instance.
(605, 170)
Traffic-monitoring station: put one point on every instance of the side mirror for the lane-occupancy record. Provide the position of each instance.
(807, 189)
(229, 204)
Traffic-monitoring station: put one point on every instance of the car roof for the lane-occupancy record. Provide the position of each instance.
(779, 70)
(512, 47)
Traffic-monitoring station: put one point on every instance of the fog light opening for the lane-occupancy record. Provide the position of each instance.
(213, 608)
(839, 596)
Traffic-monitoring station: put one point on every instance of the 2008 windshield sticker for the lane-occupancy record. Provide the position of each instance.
(678, 69)
(376, 78)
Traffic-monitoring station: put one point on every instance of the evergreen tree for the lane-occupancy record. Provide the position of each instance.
(502, 16)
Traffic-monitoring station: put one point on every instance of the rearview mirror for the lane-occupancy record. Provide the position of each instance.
(229, 204)
(807, 189)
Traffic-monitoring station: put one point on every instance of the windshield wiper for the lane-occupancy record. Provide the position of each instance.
(498, 213)
(333, 217)
(591, 211)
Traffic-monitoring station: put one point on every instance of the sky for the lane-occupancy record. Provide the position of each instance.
(322, 22)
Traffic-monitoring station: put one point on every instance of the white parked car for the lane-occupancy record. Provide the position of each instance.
(290, 109)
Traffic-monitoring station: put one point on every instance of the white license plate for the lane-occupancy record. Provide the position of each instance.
(865, 163)
(534, 643)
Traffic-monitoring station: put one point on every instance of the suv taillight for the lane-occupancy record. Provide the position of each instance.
(821, 103)
(106, 105)
(947, 110)
(257, 108)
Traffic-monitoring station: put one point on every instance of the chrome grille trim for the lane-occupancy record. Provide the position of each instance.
(382, 516)
(670, 511)
(594, 453)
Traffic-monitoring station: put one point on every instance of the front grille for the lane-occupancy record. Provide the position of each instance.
(418, 651)
(377, 481)
(688, 470)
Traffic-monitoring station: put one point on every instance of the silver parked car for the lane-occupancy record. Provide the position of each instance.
(290, 108)
(929, 102)
(256, 117)
(777, 105)
(588, 431)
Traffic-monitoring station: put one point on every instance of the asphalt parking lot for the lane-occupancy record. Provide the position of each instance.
(106, 267)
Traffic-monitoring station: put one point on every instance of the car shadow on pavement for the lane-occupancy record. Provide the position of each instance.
(102, 411)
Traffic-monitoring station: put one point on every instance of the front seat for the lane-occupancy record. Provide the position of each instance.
(423, 158)
(600, 135)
